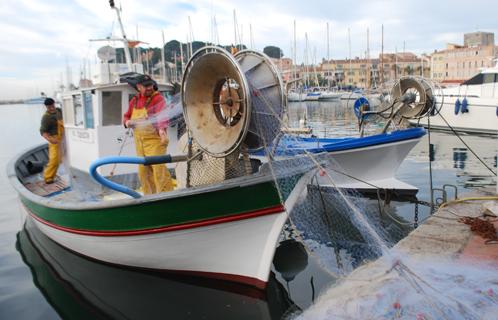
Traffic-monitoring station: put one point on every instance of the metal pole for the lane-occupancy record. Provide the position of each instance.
(125, 40)
(163, 57)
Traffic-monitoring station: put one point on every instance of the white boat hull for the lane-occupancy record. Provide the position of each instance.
(296, 97)
(241, 250)
(370, 167)
(481, 118)
(327, 95)
(313, 96)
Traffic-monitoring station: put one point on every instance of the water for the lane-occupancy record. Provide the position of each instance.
(41, 280)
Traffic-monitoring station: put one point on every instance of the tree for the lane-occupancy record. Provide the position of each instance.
(273, 52)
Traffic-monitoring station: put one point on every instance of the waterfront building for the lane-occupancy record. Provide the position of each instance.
(370, 73)
(458, 63)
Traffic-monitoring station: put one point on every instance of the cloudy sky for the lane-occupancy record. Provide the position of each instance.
(40, 37)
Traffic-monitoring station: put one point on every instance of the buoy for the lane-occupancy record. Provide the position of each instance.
(361, 105)
(465, 105)
(457, 106)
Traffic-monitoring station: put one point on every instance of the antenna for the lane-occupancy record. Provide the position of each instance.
(125, 40)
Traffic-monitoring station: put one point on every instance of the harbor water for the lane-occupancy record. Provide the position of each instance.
(41, 280)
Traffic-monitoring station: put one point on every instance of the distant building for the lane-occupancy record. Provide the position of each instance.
(475, 39)
(285, 66)
(458, 63)
(370, 73)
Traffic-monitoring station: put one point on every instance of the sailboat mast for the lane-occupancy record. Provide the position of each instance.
(251, 39)
(191, 36)
(163, 57)
(181, 57)
(368, 59)
(350, 66)
(295, 53)
(328, 53)
(125, 40)
(382, 59)
(234, 29)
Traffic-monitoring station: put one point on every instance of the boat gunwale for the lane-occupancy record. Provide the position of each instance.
(263, 176)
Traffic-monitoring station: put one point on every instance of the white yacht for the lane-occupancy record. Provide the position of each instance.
(296, 96)
(470, 107)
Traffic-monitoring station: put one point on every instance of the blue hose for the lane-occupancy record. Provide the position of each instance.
(133, 160)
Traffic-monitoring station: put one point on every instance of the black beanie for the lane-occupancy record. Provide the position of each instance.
(49, 102)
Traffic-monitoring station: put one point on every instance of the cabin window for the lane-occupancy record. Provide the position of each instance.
(111, 108)
(489, 78)
(78, 110)
(67, 111)
(88, 108)
(477, 79)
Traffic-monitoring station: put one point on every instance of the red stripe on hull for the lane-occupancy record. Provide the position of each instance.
(191, 225)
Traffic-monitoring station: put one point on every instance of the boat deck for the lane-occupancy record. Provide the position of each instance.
(42, 189)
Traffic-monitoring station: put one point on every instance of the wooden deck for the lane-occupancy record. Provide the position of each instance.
(47, 190)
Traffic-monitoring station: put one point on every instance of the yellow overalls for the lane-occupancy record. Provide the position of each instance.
(54, 155)
(154, 178)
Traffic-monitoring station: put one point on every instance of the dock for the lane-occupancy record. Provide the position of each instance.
(441, 270)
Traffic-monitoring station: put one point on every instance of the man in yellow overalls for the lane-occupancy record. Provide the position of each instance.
(146, 115)
(52, 130)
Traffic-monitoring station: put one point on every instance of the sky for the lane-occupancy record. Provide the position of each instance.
(40, 38)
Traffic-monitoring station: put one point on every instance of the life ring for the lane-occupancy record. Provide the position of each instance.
(361, 105)
(457, 106)
(465, 105)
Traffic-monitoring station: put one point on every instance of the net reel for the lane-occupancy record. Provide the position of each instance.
(216, 101)
(230, 104)
(267, 96)
(412, 97)
(409, 98)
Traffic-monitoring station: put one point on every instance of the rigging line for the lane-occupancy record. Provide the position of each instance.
(430, 163)
(127, 133)
(468, 147)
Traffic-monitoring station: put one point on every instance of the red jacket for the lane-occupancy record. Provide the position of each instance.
(156, 109)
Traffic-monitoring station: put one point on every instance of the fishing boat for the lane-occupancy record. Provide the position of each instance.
(214, 226)
(353, 167)
(470, 107)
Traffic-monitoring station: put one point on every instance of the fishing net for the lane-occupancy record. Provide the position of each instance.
(350, 236)
(352, 239)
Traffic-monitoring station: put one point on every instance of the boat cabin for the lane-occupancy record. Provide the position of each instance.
(93, 125)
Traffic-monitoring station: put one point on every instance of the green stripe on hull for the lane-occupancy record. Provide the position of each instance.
(161, 213)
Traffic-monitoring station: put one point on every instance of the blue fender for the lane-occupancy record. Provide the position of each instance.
(457, 106)
(361, 104)
(465, 105)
